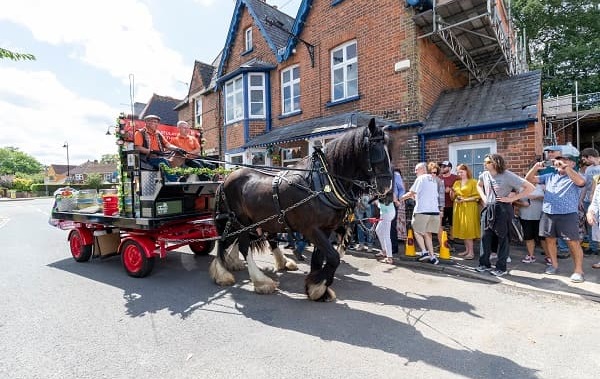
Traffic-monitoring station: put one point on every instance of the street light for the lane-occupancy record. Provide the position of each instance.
(66, 145)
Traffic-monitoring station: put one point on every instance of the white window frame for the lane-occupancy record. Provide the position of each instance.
(290, 84)
(229, 157)
(286, 162)
(248, 39)
(257, 88)
(198, 112)
(78, 177)
(453, 149)
(108, 177)
(232, 91)
(343, 65)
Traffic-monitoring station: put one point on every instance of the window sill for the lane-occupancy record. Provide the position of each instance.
(292, 114)
(343, 101)
(247, 52)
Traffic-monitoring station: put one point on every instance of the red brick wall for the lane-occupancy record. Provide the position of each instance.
(518, 155)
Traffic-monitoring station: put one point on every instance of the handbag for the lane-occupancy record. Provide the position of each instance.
(516, 229)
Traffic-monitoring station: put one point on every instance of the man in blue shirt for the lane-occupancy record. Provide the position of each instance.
(560, 206)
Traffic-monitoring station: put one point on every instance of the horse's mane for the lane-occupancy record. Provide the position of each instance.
(345, 153)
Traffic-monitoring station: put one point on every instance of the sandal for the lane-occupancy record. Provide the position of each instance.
(387, 260)
(469, 257)
(463, 254)
(380, 255)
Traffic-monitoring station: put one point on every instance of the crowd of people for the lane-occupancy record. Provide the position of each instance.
(557, 204)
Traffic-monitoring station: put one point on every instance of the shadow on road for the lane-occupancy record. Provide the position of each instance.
(180, 284)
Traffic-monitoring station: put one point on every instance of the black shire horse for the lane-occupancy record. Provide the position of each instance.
(253, 205)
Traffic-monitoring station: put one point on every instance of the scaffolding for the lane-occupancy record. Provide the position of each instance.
(478, 35)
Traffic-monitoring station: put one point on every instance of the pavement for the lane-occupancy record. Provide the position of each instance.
(528, 276)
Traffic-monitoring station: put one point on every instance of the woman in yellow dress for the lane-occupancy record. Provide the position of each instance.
(465, 216)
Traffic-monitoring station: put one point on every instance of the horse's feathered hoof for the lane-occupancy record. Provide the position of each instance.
(266, 287)
(316, 291)
(220, 275)
(290, 265)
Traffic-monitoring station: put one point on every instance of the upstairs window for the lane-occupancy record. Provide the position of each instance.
(290, 90)
(198, 112)
(344, 72)
(248, 39)
(234, 100)
(256, 88)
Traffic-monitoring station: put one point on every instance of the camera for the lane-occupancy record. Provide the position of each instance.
(548, 163)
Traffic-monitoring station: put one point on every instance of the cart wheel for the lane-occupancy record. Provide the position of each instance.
(202, 247)
(80, 252)
(134, 259)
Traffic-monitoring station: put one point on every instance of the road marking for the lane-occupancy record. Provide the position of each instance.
(3, 221)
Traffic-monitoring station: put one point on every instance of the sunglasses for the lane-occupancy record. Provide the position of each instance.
(434, 172)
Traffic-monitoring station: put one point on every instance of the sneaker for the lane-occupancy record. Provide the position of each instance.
(498, 273)
(483, 268)
(577, 278)
(589, 251)
(434, 261)
(528, 259)
(493, 256)
(551, 270)
(563, 254)
(548, 261)
(425, 258)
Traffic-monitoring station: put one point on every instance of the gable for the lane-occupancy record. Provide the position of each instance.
(274, 26)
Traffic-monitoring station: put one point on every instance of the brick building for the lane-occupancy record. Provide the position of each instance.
(453, 90)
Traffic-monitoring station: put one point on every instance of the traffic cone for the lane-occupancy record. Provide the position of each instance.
(409, 249)
(444, 247)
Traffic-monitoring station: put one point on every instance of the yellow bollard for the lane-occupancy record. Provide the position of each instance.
(444, 247)
(409, 249)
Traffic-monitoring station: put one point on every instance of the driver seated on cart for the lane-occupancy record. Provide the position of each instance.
(188, 143)
(153, 146)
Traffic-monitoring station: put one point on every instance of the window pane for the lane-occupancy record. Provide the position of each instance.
(258, 158)
(256, 80)
(256, 95)
(352, 72)
(256, 109)
(296, 72)
(338, 91)
(352, 88)
(338, 56)
(351, 51)
(338, 76)
(286, 76)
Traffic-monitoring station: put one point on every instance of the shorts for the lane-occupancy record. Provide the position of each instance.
(447, 217)
(423, 223)
(531, 230)
(565, 226)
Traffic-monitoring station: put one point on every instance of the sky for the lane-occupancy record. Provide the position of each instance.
(93, 58)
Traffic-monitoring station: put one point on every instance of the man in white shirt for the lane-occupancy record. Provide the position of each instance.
(426, 214)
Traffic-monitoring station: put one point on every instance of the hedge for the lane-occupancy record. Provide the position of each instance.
(41, 187)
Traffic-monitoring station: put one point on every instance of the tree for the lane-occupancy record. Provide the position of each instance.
(15, 56)
(563, 42)
(109, 158)
(12, 161)
(94, 181)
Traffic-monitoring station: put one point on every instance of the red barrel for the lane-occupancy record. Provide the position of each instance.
(110, 205)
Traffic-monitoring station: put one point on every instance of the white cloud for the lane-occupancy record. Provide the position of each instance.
(39, 114)
(117, 36)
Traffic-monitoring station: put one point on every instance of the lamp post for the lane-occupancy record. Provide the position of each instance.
(66, 145)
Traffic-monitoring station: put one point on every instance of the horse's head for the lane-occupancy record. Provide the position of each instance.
(376, 164)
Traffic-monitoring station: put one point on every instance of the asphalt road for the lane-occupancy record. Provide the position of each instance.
(62, 319)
